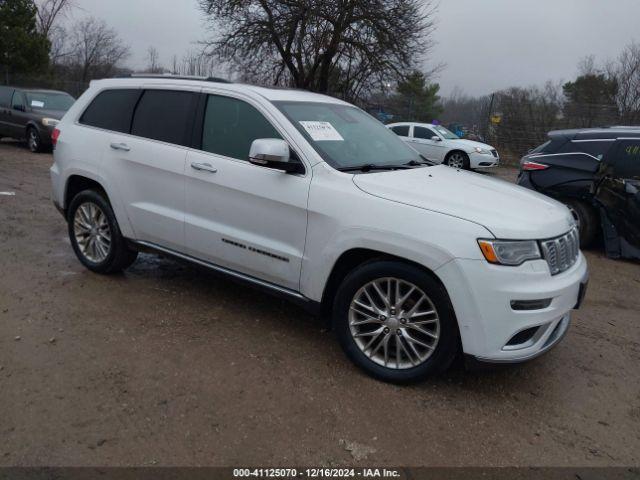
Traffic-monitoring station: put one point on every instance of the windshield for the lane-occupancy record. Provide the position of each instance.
(347, 137)
(448, 135)
(49, 101)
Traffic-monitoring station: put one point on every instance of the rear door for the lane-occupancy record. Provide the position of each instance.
(150, 164)
(242, 216)
(619, 190)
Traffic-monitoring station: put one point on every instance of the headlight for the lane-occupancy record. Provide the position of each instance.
(509, 252)
(482, 151)
(50, 122)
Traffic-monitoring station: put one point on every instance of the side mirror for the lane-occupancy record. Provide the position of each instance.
(435, 138)
(19, 108)
(273, 153)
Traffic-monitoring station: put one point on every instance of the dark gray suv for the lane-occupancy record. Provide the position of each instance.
(32, 114)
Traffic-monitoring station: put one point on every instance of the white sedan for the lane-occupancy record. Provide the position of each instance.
(442, 146)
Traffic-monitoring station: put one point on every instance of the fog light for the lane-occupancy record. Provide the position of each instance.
(523, 305)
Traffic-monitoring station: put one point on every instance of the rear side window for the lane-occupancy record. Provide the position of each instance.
(165, 115)
(5, 96)
(231, 125)
(112, 110)
(401, 130)
(424, 133)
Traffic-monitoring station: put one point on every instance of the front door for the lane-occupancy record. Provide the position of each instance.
(619, 190)
(423, 141)
(241, 216)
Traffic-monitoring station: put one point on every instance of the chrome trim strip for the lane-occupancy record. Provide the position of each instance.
(545, 155)
(226, 271)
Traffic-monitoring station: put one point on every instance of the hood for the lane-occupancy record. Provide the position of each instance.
(56, 114)
(470, 145)
(506, 210)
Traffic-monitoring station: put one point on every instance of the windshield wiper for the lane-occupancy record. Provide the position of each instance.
(371, 167)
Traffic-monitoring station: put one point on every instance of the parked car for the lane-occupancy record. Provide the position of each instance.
(595, 172)
(440, 145)
(310, 198)
(31, 115)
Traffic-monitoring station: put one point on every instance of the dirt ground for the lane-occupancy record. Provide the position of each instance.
(169, 365)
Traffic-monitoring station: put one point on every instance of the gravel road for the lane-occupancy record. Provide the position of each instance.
(169, 365)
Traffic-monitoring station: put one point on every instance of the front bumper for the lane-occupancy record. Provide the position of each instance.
(478, 160)
(482, 293)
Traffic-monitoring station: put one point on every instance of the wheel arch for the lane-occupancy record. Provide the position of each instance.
(81, 180)
(354, 258)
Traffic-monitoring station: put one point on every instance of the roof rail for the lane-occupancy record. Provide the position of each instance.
(175, 77)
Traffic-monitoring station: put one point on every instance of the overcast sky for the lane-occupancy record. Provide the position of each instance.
(486, 44)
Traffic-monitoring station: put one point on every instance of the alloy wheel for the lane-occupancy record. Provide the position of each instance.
(92, 232)
(456, 160)
(33, 141)
(394, 323)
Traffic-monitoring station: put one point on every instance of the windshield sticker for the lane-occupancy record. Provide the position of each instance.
(322, 131)
(37, 104)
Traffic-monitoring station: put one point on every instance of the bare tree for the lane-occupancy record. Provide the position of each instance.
(342, 46)
(626, 72)
(96, 50)
(48, 11)
(153, 61)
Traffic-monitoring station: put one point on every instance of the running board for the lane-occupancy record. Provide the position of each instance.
(299, 299)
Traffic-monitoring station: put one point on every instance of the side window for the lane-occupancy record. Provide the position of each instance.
(165, 115)
(112, 110)
(231, 125)
(627, 161)
(5, 96)
(18, 101)
(423, 133)
(401, 130)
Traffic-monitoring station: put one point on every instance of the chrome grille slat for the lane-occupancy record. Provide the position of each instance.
(561, 253)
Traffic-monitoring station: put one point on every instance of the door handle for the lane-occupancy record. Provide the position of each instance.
(120, 146)
(203, 167)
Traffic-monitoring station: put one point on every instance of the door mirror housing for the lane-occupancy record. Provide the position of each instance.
(435, 138)
(274, 153)
(19, 108)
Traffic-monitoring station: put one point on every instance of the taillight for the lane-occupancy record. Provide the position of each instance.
(54, 137)
(529, 166)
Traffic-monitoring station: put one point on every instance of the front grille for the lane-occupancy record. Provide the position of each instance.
(562, 253)
(494, 153)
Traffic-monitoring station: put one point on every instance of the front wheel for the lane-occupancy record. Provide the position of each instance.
(458, 160)
(95, 235)
(395, 321)
(34, 142)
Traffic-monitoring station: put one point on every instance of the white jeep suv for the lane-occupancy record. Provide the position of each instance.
(311, 198)
(440, 145)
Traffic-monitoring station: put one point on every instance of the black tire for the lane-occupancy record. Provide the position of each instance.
(466, 164)
(34, 142)
(587, 218)
(119, 256)
(447, 345)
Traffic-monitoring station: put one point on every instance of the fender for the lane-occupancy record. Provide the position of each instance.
(112, 193)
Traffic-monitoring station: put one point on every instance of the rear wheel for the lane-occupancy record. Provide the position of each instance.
(458, 160)
(395, 322)
(586, 218)
(95, 235)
